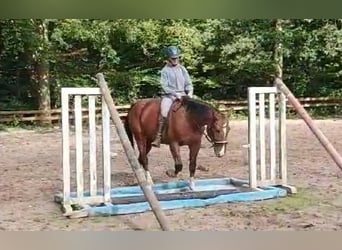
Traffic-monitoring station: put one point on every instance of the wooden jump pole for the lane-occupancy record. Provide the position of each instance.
(137, 169)
(306, 117)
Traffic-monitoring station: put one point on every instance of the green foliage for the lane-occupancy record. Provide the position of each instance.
(224, 57)
(314, 62)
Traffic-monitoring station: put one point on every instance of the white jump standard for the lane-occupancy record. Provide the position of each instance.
(257, 139)
(171, 195)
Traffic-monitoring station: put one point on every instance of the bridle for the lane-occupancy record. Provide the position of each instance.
(213, 142)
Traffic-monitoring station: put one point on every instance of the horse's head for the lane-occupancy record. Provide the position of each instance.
(217, 131)
(216, 123)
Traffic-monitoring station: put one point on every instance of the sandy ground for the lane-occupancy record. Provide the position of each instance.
(31, 174)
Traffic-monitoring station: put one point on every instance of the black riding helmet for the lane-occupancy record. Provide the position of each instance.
(172, 52)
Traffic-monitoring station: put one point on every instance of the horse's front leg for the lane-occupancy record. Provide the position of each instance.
(147, 172)
(144, 149)
(194, 149)
(174, 148)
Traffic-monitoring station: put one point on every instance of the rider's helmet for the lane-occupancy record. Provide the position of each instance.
(172, 52)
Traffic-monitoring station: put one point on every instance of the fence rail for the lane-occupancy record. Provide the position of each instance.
(224, 105)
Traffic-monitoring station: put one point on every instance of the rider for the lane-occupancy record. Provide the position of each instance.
(175, 82)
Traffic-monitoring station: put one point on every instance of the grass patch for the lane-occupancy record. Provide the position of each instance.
(303, 199)
(3, 127)
(25, 127)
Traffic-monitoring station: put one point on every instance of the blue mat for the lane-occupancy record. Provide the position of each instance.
(268, 192)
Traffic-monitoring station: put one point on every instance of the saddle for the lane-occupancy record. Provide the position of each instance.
(176, 104)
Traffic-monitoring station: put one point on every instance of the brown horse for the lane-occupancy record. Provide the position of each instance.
(187, 121)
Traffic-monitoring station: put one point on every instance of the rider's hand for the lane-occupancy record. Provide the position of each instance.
(188, 93)
(178, 96)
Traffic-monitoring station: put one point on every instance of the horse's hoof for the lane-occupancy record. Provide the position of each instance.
(192, 186)
(170, 173)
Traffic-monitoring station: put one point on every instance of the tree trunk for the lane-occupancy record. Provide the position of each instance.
(42, 73)
(278, 54)
(44, 103)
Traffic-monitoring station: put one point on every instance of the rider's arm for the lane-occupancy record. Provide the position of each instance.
(188, 83)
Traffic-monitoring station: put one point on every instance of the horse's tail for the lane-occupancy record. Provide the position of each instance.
(128, 130)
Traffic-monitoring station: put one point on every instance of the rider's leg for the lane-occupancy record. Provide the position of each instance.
(166, 103)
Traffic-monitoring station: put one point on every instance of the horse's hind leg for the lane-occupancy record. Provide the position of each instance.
(144, 149)
(174, 148)
(194, 149)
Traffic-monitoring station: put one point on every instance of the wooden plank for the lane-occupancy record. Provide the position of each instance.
(106, 151)
(262, 151)
(92, 146)
(269, 182)
(23, 112)
(307, 102)
(272, 130)
(178, 196)
(86, 200)
(65, 147)
(242, 184)
(51, 118)
(302, 99)
(252, 138)
(34, 115)
(79, 146)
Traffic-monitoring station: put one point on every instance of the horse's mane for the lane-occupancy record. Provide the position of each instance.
(197, 108)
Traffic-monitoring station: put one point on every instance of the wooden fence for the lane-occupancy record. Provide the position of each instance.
(226, 106)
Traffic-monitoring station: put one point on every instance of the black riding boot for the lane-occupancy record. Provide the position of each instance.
(156, 142)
